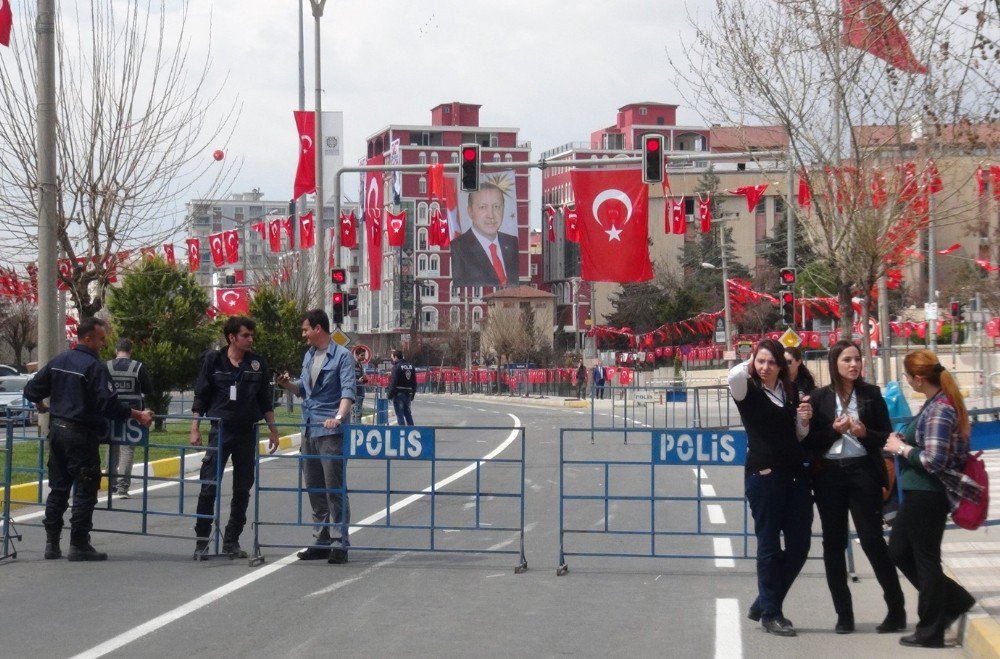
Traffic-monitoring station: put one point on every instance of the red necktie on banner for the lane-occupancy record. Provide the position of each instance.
(497, 264)
(305, 175)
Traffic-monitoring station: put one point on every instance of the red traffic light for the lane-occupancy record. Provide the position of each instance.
(338, 298)
(955, 309)
(338, 275)
(652, 144)
(787, 276)
(468, 154)
(787, 297)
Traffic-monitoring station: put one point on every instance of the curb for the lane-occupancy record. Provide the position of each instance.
(30, 494)
(982, 635)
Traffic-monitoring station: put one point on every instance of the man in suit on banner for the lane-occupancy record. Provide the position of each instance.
(484, 255)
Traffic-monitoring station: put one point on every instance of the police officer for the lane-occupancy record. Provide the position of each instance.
(82, 398)
(402, 388)
(133, 382)
(234, 387)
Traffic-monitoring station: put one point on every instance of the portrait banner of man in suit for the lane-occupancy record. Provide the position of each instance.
(486, 252)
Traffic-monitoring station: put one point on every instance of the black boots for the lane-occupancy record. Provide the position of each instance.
(84, 552)
(52, 550)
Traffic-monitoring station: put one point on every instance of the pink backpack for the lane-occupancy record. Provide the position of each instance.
(969, 514)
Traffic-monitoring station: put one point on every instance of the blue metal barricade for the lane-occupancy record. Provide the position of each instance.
(422, 490)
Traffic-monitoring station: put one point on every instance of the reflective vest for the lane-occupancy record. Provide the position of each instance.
(127, 381)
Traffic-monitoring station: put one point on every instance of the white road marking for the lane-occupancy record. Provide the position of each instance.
(212, 596)
(723, 552)
(728, 635)
(699, 471)
(364, 573)
(715, 514)
(707, 490)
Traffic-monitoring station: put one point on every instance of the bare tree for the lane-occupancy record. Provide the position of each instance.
(854, 121)
(19, 329)
(134, 136)
(505, 332)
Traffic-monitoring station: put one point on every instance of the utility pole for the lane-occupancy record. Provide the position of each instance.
(48, 319)
(320, 277)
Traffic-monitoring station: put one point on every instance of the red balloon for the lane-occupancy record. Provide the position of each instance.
(218, 154)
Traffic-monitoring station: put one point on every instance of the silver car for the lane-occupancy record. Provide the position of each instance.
(22, 412)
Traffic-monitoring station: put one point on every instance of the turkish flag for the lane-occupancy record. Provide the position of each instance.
(879, 195)
(232, 239)
(168, 253)
(147, 253)
(948, 250)
(396, 228)
(307, 232)
(65, 274)
(6, 22)
(679, 219)
(348, 230)
(550, 214)
(194, 254)
(753, 193)
(932, 178)
(217, 242)
(705, 213)
(260, 228)
(869, 26)
(614, 225)
(572, 223)
(286, 225)
(440, 233)
(373, 222)
(907, 180)
(305, 175)
(435, 180)
(805, 194)
(274, 234)
(995, 181)
(232, 301)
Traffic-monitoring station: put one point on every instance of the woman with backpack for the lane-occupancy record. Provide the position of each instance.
(932, 453)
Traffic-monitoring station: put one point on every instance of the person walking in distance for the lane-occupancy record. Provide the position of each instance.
(581, 380)
(234, 389)
(599, 379)
(402, 388)
(134, 383)
(327, 387)
(81, 399)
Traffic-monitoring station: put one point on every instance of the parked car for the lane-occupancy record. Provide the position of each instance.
(12, 394)
(7, 369)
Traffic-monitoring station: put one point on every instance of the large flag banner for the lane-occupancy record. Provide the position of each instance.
(194, 254)
(307, 232)
(274, 234)
(286, 225)
(572, 223)
(6, 22)
(216, 242)
(65, 274)
(232, 246)
(348, 230)
(232, 301)
(168, 248)
(373, 222)
(613, 225)
(396, 228)
(869, 26)
(305, 175)
(705, 213)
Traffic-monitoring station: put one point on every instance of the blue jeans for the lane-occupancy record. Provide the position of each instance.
(401, 404)
(781, 505)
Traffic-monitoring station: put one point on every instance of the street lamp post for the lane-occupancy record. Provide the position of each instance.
(727, 311)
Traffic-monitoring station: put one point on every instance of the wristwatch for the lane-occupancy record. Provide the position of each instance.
(339, 417)
(900, 450)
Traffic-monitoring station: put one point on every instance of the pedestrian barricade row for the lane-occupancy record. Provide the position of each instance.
(670, 406)
(432, 493)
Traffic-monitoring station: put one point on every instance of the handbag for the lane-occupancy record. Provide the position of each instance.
(971, 514)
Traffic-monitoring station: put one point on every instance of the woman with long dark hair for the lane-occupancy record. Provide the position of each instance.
(798, 372)
(932, 452)
(849, 428)
(775, 480)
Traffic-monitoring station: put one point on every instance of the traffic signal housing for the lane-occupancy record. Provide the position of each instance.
(787, 276)
(956, 311)
(469, 167)
(338, 307)
(350, 303)
(652, 158)
(788, 307)
(338, 276)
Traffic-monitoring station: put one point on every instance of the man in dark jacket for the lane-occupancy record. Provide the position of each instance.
(233, 387)
(82, 398)
(133, 382)
(402, 388)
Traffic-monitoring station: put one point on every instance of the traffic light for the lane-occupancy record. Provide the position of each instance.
(338, 308)
(788, 307)
(350, 303)
(787, 276)
(652, 158)
(956, 311)
(469, 168)
(338, 276)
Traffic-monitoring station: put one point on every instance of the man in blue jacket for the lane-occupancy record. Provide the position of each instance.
(328, 388)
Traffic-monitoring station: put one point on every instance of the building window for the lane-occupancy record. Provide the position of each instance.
(477, 315)
(455, 324)
(422, 213)
(496, 157)
(534, 269)
(434, 264)
(454, 158)
(429, 319)
(421, 239)
(428, 290)
(434, 157)
(422, 158)
(422, 185)
(421, 264)
(508, 158)
(643, 111)
(494, 140)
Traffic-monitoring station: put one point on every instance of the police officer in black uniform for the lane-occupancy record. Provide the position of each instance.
(234, 387)
(402, 388)
(133, 382)
(82, 398)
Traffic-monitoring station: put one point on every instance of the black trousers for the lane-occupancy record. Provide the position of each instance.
(242, 448)
(853, 489)
(915, 548)
(74, 464)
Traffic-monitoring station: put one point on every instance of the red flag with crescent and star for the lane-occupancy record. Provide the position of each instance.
(550, 217)
(194, 254)
(307, 232)
(705, 213)
(373, 222)
(753, 193)
(571, 219)
(286, 226)
(613, 224)
(232, 301)
(260, 228)
(168, 253)
(217, 243)
(305, 175)
(679, 218)
(232, 246)
(805, 194)
(274, 234)
(348, 230)
(869, 26)
(395, 225)
(440, 234)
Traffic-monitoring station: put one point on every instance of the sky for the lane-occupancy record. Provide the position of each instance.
(557, 70)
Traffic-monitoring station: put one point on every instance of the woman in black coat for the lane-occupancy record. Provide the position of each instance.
(849, 427)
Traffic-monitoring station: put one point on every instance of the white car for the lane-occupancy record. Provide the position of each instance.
(12, 394)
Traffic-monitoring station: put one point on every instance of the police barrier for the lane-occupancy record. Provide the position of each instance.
(668, 406)
(162, 491)
(429, 494)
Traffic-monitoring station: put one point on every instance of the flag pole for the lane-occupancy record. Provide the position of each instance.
(48, 318)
